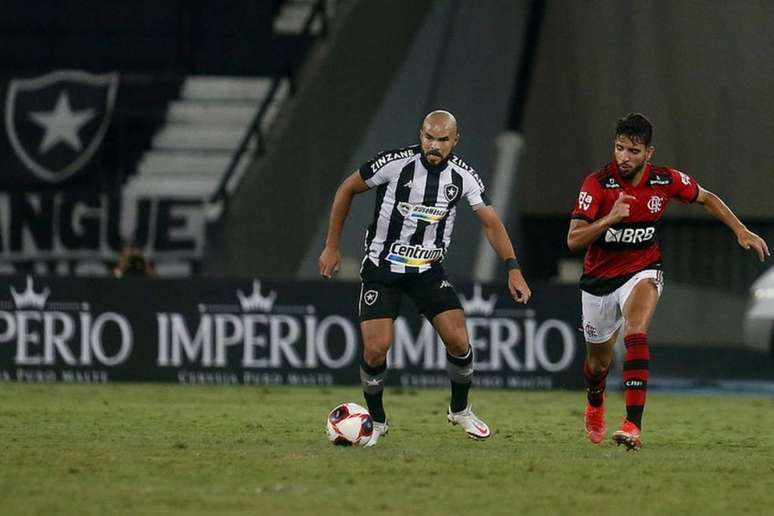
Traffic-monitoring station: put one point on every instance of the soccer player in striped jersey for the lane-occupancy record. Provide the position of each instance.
(417, 192)
(616, 219)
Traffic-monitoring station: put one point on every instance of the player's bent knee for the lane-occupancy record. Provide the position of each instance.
(374, 356)
(635, 326)
(457, 348)
(597, 367)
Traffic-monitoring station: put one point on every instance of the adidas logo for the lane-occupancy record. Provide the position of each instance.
(409, 183)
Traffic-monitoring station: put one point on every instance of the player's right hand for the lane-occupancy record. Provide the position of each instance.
(329, 262)
(518, 287)
(749, 240)
(621, 208)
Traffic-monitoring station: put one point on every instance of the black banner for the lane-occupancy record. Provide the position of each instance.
(54, 125)
(251, 332)
(72, 226)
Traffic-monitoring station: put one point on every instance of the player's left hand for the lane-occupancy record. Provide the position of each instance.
(518, 286)
(749, 240)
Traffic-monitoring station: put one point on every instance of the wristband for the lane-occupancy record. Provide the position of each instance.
(511, 264)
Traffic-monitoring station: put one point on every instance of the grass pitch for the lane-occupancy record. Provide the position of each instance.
(169, 449)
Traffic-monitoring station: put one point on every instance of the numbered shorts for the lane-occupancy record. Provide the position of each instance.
(381, 292)
(603, 315)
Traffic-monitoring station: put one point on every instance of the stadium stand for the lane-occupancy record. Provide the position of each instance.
(199, 86)
(203, 130)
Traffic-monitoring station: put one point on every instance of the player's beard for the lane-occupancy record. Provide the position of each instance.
(631, 173)
(436, 154)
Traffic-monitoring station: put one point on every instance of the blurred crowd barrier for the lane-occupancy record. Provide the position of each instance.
(253, 332)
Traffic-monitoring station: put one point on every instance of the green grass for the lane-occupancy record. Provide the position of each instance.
(168, 449)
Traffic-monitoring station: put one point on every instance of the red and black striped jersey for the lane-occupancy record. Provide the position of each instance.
(632, 245)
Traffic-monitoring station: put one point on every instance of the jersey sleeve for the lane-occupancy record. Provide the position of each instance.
(589, 200)
(473, 189)
(377, 171)
(684, 187)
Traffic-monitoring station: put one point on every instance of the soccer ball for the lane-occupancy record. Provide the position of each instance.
(349, 424)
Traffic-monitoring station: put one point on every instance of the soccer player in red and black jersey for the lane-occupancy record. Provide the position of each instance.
(616, 220)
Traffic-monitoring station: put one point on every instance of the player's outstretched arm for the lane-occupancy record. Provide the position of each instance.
(746, 238)
(501, 243)
(330, 258)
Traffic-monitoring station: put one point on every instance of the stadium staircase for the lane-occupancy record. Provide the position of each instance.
(201, 83)
(270, 219)
(202, 133)
(218, 124)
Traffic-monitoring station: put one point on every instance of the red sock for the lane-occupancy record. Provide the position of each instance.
(595, 385)
(635, 375)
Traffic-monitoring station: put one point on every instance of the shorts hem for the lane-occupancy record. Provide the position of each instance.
(600, 340)
(371, 317)
(439, 312)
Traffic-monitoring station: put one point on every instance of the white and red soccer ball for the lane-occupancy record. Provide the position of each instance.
(349, 424)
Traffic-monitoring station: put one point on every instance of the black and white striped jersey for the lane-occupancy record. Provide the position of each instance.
(416, 204)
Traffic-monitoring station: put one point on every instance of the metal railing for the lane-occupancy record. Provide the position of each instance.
(321, 9)
(254, 130)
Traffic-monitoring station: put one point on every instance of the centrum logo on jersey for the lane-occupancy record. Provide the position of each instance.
(413, 255)
(429, 214)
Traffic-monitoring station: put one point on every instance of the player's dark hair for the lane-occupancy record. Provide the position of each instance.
(636, 127)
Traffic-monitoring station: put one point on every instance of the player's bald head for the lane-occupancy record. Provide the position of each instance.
(442, 120)
(438, 136)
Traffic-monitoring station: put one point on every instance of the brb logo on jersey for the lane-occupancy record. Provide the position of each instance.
(630, 235)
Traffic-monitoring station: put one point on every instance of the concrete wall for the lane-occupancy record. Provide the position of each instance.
(688, 315)
(702, 71)
(464, 59)
(275, 213)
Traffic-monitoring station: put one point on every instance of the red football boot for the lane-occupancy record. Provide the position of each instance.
(595, 423)
(628, 435)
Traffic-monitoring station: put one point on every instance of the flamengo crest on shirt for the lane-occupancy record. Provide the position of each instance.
(56, 122)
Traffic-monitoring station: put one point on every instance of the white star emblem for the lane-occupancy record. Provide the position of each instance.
(370, 297)
(373, 382)
(61, 124)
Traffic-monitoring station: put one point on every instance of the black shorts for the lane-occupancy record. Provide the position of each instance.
(381, 289)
